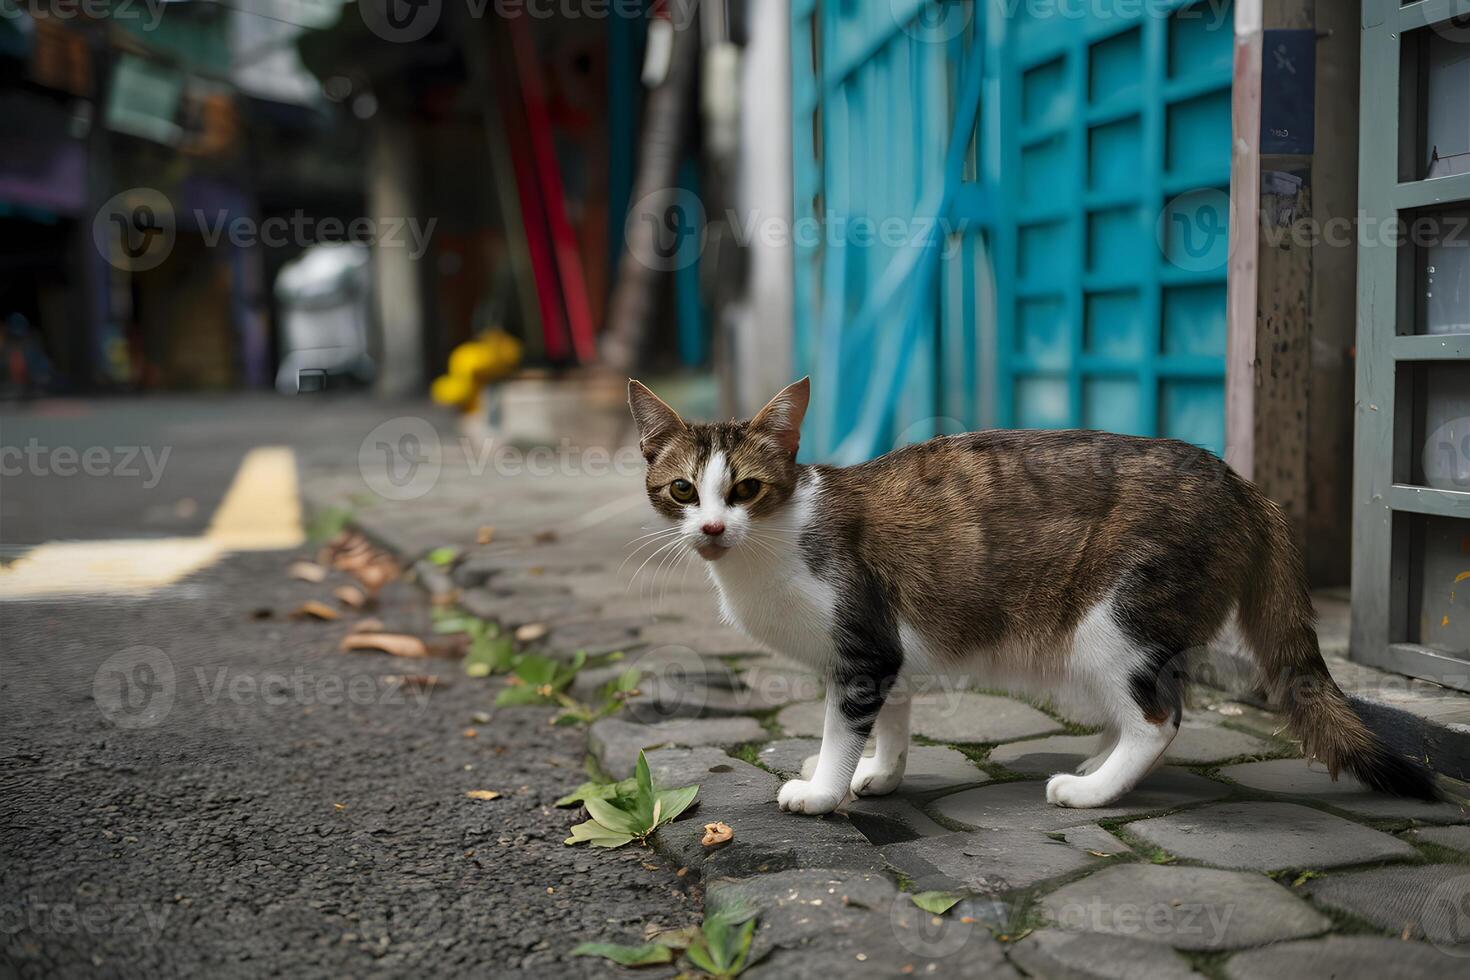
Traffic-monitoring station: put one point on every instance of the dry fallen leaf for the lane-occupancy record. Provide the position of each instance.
(471, 733)
(314, 610)
(307, 571)
(484, 534)
(398, 644)
(350, 596)
(483, 794)
(531, 632)
(370, 625)
(373, 577)
(716, 833)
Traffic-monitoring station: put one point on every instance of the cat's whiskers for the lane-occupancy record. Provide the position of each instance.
(654, 542)
(658, 551)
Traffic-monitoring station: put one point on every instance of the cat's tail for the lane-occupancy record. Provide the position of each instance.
(1279, 624)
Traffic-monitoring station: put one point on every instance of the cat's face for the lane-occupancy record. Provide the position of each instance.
(716, 483)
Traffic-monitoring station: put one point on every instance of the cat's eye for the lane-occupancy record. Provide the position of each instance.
(683, 491)
(745, 490)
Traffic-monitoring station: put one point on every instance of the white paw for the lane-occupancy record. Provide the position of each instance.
(800, 796)
(1081, 792)
(1090, 766)
(872, 779)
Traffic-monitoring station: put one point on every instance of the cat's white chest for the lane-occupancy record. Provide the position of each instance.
(779, 603)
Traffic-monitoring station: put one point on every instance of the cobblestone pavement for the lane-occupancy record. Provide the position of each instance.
(1235, 859)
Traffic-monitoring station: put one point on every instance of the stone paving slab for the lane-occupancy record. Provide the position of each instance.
(615, 743)
(1295, 777)
(817, 923)
(1455, 837)
(1059, 955)
(990, 862)
(722, 781)
(1091, 837)
(1346, 956)
(1022, 803)
(780, 685)
(1260, 836)
(512, 611)
(890, 819)
(930, 769)
(1194, 745)
(1186, 908)
(1414, 901)
(707, 638)
(955, 716)
(766, 839)
(661, 698)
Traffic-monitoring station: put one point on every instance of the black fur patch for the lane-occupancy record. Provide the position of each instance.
(869, 653)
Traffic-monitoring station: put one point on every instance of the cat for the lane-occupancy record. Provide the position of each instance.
(1076, 565)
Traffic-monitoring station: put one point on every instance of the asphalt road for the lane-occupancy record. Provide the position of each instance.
(192, 781)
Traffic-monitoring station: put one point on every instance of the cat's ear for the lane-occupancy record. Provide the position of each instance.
(656, 421)
(781, 418)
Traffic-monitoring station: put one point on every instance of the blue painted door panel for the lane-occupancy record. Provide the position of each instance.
(1050, 252)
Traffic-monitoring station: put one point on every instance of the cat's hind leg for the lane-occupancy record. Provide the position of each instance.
(1140, 745)
(1134, 673)
(882, 771)
(1105, 744)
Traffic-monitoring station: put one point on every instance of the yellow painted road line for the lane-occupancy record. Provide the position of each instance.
(261, 511)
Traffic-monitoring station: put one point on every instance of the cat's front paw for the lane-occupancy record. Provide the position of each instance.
(801, 796)
(1081, 792)
(873, 779)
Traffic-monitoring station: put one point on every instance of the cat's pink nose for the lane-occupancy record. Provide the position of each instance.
(714, 529)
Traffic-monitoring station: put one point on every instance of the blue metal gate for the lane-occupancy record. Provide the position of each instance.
(1053, 180)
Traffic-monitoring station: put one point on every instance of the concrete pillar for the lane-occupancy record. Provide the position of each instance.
(397, 286)
(763, 332)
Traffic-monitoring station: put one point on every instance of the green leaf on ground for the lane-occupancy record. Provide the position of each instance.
(327, 523)
(442, 556)
(599, 791)
(489, 654)
(594, 833)
(646, 955)
(722, 946)
(675, 802)
(937, 903)
(614, 817)
(624, 816)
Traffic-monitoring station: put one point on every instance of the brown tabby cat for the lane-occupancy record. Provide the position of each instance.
(1079, 566)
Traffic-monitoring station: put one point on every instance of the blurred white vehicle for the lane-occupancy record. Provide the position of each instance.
(325, 298)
